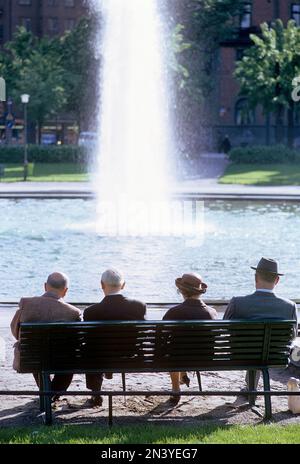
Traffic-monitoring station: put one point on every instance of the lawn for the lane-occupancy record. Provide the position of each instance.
(262, 174)
(152, 434)
(43, 172)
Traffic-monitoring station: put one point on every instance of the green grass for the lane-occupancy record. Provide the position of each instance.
(152, 434)
(40, 172)
(264, 174)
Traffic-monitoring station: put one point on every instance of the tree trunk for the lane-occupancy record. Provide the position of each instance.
(291, 125)
(39, 132)
(268, 127)
(279, 135)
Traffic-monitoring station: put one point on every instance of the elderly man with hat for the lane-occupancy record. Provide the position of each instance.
(191, 287)
(263, 303)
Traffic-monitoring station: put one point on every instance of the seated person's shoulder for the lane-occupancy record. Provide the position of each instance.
(136, 302)
(172, 312)
(137, 306)
(90, 310)
(212, 312)
(28, 302)
(72, 308)
(285, 301)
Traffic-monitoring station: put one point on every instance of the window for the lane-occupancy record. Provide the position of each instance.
(26, 22)
(243, 115)
(296, 13)
(53, 25)
(70, 3)
(24, 2)
(70, 24)
(246, 16)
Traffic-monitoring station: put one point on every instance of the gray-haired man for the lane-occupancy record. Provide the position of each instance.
(114, 307)
(47, 308)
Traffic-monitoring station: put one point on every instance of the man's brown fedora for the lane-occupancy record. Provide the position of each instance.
(192, 282)
(268, 265)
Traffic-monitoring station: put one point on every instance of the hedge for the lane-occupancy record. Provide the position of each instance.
(46, 154)
(260, 154)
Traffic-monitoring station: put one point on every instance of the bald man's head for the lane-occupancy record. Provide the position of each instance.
(58, 283)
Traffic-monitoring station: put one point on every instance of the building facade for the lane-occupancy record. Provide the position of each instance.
(42, 17)
(233, 118)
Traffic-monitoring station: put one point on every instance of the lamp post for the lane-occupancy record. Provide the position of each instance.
(9, 121)
(25, 100)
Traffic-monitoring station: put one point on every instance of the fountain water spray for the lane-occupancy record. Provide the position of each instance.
(133, 167)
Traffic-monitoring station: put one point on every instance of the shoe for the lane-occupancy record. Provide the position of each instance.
(108, 375)
(185, 380)
(55, 401)
(241, 401)
(94, 402)
(174, 399)
(244, 391)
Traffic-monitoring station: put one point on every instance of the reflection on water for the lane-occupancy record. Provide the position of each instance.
(37, 237)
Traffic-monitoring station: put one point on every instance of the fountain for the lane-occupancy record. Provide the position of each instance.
(133, 167)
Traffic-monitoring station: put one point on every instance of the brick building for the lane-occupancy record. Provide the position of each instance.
(231, 115)
(42, 17)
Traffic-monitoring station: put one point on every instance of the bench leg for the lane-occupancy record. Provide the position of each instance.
(110, 411)
(267, 387)
(42, 398)
(252, 386)
(199, 380)
(124, 386)
(124, 382)
(47, 399)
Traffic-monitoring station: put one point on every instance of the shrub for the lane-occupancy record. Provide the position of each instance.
(261, 154)
(46, 154)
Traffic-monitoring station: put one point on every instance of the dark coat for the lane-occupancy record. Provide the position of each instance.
(261, 305)
(116, 308)
(191, 309)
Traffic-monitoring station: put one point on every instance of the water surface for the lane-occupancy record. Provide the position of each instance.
(37, 237)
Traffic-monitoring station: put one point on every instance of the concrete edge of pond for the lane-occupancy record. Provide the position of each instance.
(200, 189)
(192, 196)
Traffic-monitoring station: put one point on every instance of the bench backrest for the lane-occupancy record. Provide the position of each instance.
(154, 346)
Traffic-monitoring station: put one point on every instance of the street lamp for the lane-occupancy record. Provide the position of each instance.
(25, 100)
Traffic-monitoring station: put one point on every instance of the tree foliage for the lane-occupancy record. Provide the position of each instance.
(55, 72)
(198, 27)
(267, 70)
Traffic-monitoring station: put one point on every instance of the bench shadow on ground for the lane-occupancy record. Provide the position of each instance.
(156, 410)
(163, 413)
(24, 414)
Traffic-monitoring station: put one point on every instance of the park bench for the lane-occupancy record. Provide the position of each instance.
(152, 346)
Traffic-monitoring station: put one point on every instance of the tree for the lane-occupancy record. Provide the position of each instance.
(267, 71)
(199, 26)
(34, 66)
(42, 78)
(80, 70)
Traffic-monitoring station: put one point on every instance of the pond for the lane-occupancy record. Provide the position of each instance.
(40, 236)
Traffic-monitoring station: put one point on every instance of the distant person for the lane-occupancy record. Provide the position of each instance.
(226, 145)
(191, 287)
(114, 307)
(263, 303)
(47, 308)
